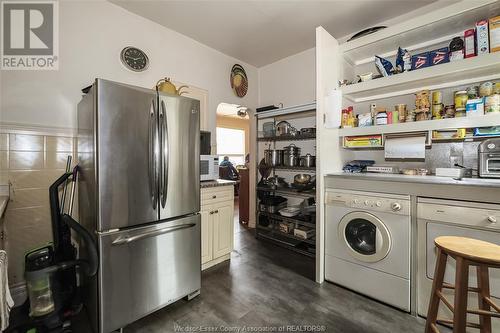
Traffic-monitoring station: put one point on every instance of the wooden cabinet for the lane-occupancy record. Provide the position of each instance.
(217, 225)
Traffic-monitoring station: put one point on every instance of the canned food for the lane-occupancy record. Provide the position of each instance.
(486, 89)
(496, 88)
(437, 97)
(449, 111)
(401, 110)
(437, 111)
(460, 99)
(492, 103)
(460, 112)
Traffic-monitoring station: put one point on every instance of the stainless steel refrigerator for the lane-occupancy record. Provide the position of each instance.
(139, 193)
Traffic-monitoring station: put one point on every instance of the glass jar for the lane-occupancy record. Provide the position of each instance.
(460, 99)
(486, 89)
(472, 92)
(492, 103)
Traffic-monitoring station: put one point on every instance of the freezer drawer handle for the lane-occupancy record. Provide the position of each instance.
(164, 155)
(126, 240)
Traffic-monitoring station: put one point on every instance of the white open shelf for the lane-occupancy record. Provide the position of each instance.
(451, 74)
(420, 32)
(426, 125)
(286, 110)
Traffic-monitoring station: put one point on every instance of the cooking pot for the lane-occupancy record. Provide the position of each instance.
(284, 128)
(301, 178)
(273, 157)
(308, 161)
(292, 149)
(290, 160)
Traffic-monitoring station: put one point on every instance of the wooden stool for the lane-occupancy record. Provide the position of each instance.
(467, 252)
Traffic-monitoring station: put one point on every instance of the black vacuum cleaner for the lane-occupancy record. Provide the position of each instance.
(51, 271)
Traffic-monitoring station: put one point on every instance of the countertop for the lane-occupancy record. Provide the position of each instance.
(4, 198)
(420, 179)
(467, 189)
(217, 183)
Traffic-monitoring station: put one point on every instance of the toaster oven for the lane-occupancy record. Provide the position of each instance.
(489, 158)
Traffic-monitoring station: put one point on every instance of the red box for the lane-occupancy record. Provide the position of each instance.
(470, 43)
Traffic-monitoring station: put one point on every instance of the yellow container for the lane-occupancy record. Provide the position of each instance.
(460, 99)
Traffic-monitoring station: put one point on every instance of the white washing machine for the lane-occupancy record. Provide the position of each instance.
(436, 218)
(367, 245)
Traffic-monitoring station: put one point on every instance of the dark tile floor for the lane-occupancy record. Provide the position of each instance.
(266, 286)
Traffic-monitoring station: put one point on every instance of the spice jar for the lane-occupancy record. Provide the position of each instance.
(460, 99)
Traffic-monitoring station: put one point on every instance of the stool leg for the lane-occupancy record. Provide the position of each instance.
(437, 284)
(483, 284)
(461, 293)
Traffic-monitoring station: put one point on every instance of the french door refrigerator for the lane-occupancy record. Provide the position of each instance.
(139, 193)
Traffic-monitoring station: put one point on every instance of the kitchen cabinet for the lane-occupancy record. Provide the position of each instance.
(217, 225)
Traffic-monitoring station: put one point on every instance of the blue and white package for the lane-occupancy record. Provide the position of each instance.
(439, 56)
(384, 66)
(420, 61)
(403, 61)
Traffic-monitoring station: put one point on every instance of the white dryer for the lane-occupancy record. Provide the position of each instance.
(437, 217)
(367, 245)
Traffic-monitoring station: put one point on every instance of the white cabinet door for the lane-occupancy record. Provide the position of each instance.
(206, 233)
(223, 228)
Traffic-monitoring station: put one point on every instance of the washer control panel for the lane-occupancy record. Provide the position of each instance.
(396, 205)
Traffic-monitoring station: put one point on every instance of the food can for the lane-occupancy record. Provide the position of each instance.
(492, 103)
(449, 111)
(496, 88)
(486, 89)
(437, 97)
(460, 99)
(401, 109)
(460, 112)
(437, 111)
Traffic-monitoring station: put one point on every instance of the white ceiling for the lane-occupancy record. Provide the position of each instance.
(262, 32)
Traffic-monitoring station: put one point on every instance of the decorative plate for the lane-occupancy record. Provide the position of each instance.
(239, 81)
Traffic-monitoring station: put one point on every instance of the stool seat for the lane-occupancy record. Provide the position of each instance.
(472, 249)
(466, 252)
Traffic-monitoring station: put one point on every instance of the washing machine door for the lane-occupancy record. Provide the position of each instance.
(365, 236)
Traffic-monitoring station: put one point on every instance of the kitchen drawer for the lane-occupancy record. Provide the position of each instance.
(216, 194)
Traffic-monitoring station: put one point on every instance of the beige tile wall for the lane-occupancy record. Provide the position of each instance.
(30, 163)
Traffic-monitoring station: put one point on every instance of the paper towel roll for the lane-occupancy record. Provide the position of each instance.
(405, 147)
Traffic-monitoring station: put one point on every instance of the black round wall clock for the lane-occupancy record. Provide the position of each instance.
(134, 59)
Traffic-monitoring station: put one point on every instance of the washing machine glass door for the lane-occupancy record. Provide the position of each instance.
(366, 237)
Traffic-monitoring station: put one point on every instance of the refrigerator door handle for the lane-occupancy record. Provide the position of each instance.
(164, 154)
(152, 156)
(153, 233)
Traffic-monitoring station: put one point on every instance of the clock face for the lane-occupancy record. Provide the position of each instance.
(134, 59)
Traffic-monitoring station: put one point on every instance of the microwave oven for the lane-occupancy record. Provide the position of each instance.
(209, 167)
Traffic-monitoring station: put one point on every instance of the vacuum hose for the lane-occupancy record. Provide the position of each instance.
(93, 261)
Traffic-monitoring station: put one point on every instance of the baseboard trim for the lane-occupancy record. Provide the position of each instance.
(216, 261)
